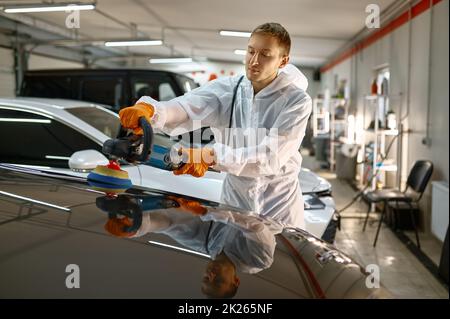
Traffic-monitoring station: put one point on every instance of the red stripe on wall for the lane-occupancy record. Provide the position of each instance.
(419, 8)
(403, 18)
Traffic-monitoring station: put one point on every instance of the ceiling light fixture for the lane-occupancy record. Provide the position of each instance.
(151, 242)
(240, 52)
(30, 8)
(227, 33)
(131, 43)
(20, 120)
(171, 60)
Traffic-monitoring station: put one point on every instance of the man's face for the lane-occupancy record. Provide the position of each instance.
(217, 278)
(264, 57)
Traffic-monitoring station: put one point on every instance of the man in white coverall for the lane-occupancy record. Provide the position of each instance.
(262, 175)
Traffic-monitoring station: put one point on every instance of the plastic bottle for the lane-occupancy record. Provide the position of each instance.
(374, 87)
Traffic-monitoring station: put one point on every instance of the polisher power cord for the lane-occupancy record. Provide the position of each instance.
(369, 182)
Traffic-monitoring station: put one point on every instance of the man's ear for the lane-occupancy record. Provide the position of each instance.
(284, 61)
(236, 281)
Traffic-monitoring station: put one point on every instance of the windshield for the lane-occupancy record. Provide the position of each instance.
(102, 120)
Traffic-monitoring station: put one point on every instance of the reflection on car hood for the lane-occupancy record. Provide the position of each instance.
(152, 244)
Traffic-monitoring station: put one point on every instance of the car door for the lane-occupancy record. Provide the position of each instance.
(48, 86)
(103, 89)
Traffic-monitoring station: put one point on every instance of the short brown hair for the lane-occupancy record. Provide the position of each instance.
(278, 31)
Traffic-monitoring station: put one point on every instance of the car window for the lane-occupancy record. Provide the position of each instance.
(102, 120)
(32, 139)
(186, 83)
(102, 90)
(159, 88)
(166, 92)
(47, 86)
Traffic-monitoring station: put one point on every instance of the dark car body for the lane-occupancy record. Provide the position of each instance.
(51, 223)
(114, 87)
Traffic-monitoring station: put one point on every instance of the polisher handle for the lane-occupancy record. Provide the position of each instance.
(147, 140)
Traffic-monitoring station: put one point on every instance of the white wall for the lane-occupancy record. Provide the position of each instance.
(39, 62)
(439, 92)
(7, 75)
(342, 71)
(393, 50)
(313, 86)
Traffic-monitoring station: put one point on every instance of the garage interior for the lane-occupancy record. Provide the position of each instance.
(380, 101)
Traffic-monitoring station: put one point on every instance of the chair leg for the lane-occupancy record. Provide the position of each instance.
(367, 217)
(379, 224)
(413, 222)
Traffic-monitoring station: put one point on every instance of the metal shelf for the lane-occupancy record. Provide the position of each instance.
(378, 96)
(387, 168)
(324, 122)
(376, 105)
(384, 132)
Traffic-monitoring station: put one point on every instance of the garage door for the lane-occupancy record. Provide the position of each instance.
(7, 76)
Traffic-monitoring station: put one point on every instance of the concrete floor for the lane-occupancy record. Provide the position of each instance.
(400, 270)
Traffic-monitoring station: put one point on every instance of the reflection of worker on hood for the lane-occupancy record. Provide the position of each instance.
(235, 242)
(246, 240)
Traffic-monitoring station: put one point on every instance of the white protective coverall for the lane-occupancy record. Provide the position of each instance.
(262, 176)
(248, 241)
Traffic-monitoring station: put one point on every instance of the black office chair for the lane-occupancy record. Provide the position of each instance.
(418, 179)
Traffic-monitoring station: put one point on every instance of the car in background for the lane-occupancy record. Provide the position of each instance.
(113, 88)
(45, 134)
(56, 227)
(116, 88)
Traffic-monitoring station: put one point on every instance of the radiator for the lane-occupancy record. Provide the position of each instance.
(439, 209)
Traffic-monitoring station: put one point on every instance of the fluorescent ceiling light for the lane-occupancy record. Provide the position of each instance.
(64, 158)
(171, 60)
(226, 33)
(8, 119)
(132, 43)
(31, 200)
(240, 52)
(48, 8)
(151, 242)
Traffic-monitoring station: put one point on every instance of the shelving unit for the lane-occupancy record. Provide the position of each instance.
(377, 106)
(336, 125)
(326, 125)
(321, 117)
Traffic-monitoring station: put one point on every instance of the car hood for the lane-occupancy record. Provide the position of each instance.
(56, 225)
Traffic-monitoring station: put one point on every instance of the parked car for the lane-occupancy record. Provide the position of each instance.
(113, 87)
(45, 134)
(59, 237)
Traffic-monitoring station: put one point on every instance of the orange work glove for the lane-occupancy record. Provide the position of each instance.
(129, 116)
(190, 206)
(115, 226)
(197, 161)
